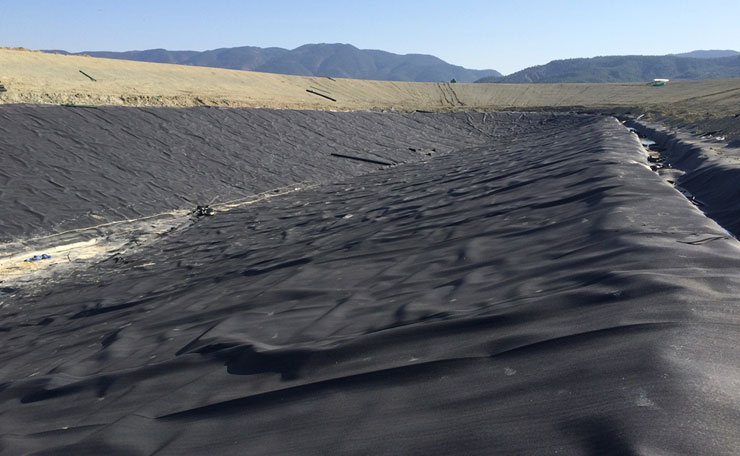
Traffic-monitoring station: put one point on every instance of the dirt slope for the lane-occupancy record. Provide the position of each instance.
(35, 77)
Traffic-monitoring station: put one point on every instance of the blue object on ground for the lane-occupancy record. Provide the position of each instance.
(39, 257)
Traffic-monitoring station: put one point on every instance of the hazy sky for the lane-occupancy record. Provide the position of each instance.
(503, 35)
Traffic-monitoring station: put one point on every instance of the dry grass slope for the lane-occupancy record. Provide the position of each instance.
(35, 77)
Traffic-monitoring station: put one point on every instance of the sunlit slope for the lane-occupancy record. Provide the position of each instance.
(35, 77)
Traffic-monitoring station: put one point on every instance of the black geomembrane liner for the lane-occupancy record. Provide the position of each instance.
(534, 288)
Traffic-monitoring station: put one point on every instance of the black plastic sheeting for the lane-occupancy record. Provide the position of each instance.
(712, 171)
(541, 294)
(71, 167)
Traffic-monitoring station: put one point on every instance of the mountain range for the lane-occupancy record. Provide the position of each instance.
(333, 60)
(347, 61)
(630, 68)
(703, 54)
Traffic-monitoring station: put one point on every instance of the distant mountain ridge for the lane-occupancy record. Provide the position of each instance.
(708, 54)
(333, 60)
(630, 68)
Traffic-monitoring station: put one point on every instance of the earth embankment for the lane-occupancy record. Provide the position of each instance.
(35, 77)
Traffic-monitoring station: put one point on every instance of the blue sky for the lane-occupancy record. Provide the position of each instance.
(503, 35)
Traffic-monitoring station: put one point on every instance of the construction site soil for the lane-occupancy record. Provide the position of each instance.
(701, 107)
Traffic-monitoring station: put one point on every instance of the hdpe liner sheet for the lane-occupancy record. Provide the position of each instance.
(65, 168)
(539, 293)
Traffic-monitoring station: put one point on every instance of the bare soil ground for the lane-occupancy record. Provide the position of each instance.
(711, 106)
